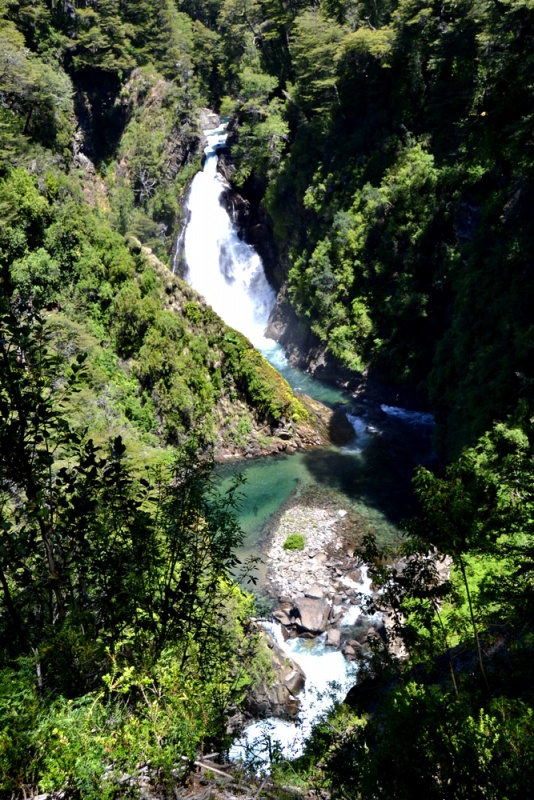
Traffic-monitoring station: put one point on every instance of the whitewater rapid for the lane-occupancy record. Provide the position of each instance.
(328, 679)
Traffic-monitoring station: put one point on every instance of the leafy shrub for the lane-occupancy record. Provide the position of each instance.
(295, 541)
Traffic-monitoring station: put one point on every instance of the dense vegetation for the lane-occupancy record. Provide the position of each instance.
(399, 134)
(391, 143)
(124, 642)
(401, 140)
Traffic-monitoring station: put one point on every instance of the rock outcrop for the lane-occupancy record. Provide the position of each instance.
(277, 695)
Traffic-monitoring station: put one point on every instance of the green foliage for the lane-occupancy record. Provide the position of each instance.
(106, 578)
(158, 142)
(37, 95)
(396, 142)
(421, 739)
(137, 717)
(315, 40)
(455, 715)
(295, 541)
(38, 275)
(366, 283)
(60, 254)
(408, 173)
(268, 392)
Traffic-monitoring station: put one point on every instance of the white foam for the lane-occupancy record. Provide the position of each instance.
(362, 435)
(220, 266)
(410, 417)
(328, 678)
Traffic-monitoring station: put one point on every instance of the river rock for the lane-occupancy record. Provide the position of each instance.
(295, 680)
(282, 617)
(355, 575)
(372, 635)
(312, 614)
(277, 698)
(315, 592)
(341, 431)
(333, 638)
(349, 653)
(336, 613)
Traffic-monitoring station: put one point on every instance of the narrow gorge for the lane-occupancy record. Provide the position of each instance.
(318, 591)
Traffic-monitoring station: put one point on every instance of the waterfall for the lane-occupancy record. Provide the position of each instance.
(230, 275)
(220, 266)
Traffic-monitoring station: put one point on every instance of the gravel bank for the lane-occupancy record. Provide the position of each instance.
(324, 561)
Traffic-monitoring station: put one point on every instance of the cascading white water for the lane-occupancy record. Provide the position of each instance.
(362, 437)
(229, 274)
(328, 678)
(413, 418)
(225, 270)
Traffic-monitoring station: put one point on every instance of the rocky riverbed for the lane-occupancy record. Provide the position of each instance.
(325, 563)
(321, 587)
(324, 587)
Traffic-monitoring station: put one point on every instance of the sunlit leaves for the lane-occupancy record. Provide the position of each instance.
(41, 95)
(313, 42)
(367, 42)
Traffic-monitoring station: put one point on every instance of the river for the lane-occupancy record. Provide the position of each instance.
(370, 476)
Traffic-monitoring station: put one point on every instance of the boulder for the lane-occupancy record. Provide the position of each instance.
(338, 599)
(341, 431)
(311, 614)
(335, 615)
(333, 638)
(372, 635)
(315, 592)
(282, 617)
(351, 649)
(349, 653)
(295, 680)
(362, 635)
(278, 697)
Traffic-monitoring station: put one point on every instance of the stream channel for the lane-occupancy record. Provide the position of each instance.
(370, 477)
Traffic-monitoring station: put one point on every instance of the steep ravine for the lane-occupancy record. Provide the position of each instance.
(303, 348)
(318, 620)
(241, 429)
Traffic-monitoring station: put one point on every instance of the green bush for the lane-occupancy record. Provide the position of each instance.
(295, 541)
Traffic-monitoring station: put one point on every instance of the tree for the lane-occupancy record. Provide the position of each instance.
(313, 43)
(411, 726)
(40, 94)
(89, 553)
